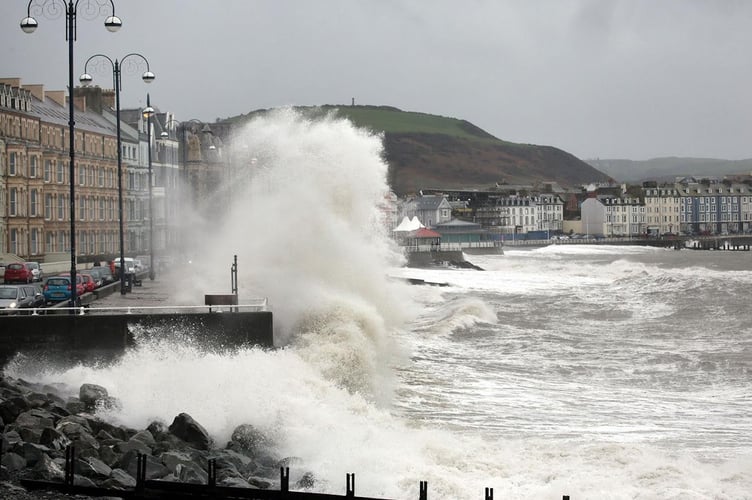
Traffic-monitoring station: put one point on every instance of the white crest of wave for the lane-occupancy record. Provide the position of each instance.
(306, 221)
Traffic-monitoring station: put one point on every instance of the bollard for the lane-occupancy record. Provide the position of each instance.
(489, 493)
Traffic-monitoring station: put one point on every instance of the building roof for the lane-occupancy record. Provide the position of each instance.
(49, 111)
(424, 233)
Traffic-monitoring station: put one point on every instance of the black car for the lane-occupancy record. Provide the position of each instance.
(15, 297)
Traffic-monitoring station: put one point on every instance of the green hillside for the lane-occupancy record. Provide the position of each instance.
(430, 151)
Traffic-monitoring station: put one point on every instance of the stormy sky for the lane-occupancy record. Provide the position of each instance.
(630, 79)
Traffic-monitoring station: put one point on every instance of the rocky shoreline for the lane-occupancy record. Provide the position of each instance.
(38, 425)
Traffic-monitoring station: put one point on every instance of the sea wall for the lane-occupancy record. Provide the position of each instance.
(79, 337)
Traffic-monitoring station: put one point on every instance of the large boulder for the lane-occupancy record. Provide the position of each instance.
(91, 394)
(190, 431)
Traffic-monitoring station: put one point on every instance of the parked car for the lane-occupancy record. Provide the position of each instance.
(23, 272)
(88, 279)
(16, 297)
(58, 288)
(97, 275)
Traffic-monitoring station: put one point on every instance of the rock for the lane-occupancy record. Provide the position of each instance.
(190, 431)
(47, 469)
(119, 479)
(74, 406)
(154, 468)
(306, 482)
(84, 481)
(33, 453)
(144, 437)
(36, 417)
(13, 461)
(247, 439)
(90, 394)
(108, 455)
(172, 459)
(92, 467)
(11, 408)
(261, 483)
(192, 473)
(54, 439)
(132, 445)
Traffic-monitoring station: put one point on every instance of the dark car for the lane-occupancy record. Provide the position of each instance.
(15, 297)
(20, 272)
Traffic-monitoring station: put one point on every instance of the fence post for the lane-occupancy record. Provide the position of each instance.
(70, 452)
(350, 491)
(284, 479)
(423, 490)
(212, 473)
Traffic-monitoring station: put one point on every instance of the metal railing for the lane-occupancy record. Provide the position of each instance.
(256, 305)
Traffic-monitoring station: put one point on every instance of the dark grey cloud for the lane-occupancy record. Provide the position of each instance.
(598, 78)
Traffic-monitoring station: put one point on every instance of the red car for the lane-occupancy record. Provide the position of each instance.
(89, 283)
(18, 272)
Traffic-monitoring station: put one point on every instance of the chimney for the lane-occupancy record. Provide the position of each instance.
(79, 102)
(37, 90)
(108, 98)
(57, 96)
(13, 82)
(92, 97)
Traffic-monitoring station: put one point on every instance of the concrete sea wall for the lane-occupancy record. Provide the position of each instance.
(76, 337)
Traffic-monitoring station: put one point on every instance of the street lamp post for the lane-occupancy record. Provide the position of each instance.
(29, 24)
(148, 113)
(148, 77)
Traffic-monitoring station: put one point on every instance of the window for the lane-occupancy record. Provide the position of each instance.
(50, 243)
(81, 175)
(34, 241)
(60, 173)
(14, 241)
(13, 205)
(101, 177)
(33, 202)
(33, 166)
(12, 160)
(61, 208)
(48, 206)
(47, 170)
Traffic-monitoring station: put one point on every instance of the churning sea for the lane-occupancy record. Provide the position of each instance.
(599, 372)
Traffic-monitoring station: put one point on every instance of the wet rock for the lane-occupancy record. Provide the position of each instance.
(47, 469)
(190, 431)
(247, 439)
(91, 394)
(12, 407)
(306, 482)
(54, 439)
(119, 479)
(94, 468)
(13, 461)
(154, 467)
(32, 453)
